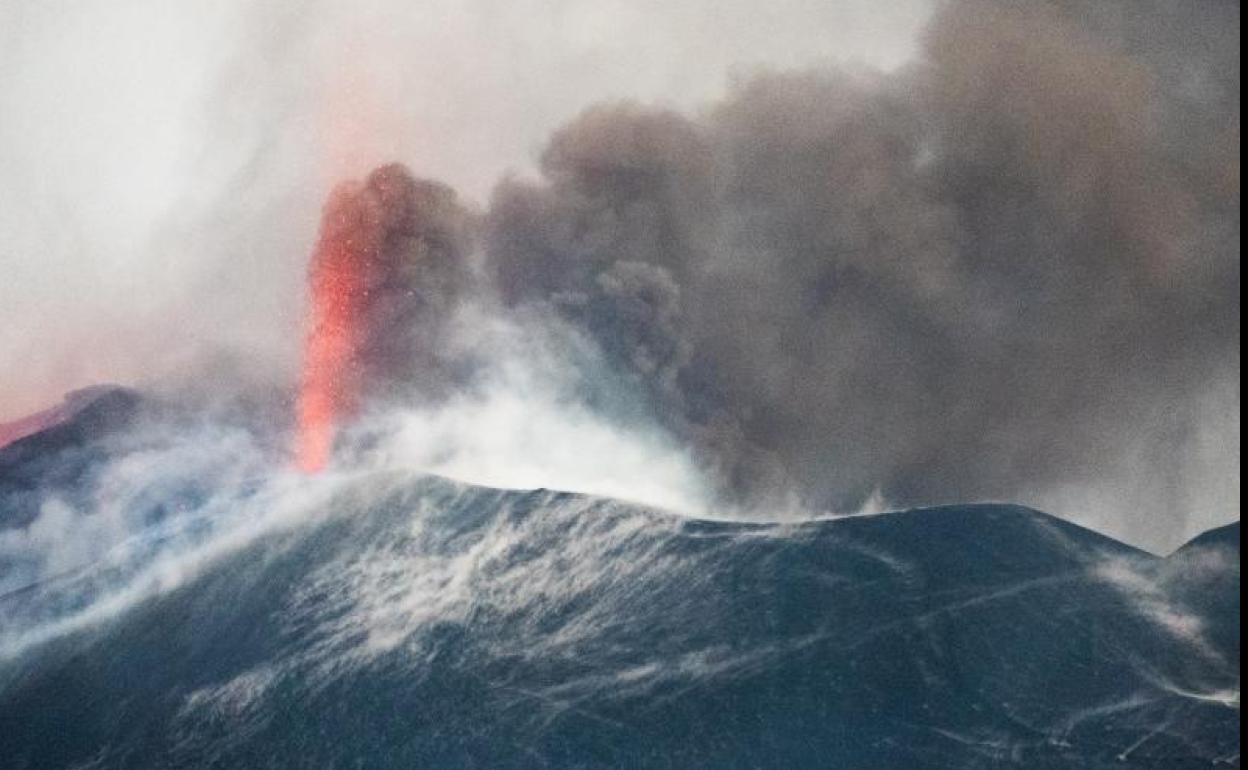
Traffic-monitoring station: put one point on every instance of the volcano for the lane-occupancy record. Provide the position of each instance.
(393, 619)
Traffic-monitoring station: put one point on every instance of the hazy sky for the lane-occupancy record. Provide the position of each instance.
(162, 164)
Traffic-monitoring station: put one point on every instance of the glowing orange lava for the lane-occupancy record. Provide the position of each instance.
(328, 388)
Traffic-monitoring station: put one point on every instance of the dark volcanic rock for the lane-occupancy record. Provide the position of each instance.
(414, 622)
(60, 457)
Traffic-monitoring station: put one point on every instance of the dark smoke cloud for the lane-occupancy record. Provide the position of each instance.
(409, 240)
(1010, 269)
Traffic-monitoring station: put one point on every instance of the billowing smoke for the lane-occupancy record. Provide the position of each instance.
(1010, 271)
(1006, 270)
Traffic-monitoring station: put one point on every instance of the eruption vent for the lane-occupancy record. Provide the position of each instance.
(382, 279)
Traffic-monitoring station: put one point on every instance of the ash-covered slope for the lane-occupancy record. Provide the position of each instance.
(387, 619)
(1202, 577)
(56, 458)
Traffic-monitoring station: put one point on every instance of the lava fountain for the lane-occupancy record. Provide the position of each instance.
(338, 282)
(383, 279)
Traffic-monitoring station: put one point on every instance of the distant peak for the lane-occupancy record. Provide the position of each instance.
(1220, 537)
(98, 406)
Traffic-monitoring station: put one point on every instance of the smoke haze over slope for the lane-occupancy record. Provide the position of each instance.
(994, 259)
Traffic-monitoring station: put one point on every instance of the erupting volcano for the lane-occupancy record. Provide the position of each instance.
(388, 249)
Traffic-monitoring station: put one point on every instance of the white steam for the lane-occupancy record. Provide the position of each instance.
(523, 423)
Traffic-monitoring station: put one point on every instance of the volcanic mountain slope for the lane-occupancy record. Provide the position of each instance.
(388, 619)
(72, 442)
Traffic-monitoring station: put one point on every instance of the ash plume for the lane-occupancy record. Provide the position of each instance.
(1004, 267)
(1009, 271)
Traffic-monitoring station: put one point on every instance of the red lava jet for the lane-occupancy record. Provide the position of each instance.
(385, 267)
(328, 388)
